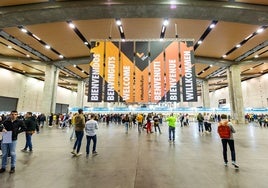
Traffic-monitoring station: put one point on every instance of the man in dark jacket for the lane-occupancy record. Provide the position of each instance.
(30, 123)
(15, 126)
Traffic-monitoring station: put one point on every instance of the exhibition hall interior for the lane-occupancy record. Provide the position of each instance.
(110, 57)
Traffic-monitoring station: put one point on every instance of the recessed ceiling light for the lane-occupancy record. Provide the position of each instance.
(47, 46)
(238, 45)
(224, 56)
(165, 23)
(249, 36)
(74, 65)
(82, 71)
(118, 22)
(256, 56)
(260, 30)
(212, 26)
(9, 46)
(199, 42)
(27, 55)
(211, 65)
(251, 68)
(86, 43)
(121, 29)
(61, 56)
(36, 37)
(23, 30)
(71, 25)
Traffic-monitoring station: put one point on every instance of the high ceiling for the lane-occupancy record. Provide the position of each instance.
(46, 22)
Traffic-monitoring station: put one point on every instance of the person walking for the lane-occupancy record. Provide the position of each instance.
(79, 132)
(171, 127)
(30, 123)
(91, 126)
(200, 120)
(14, 126)
(139, 119)
(156, 123)
(125, 121)
(226, 130)
(150, 121)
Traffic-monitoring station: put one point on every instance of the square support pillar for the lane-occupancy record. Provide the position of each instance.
(235, 94)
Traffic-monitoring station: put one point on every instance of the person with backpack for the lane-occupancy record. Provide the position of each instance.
(79, 132)
(200, 120)
(125, 121)
(226, 130)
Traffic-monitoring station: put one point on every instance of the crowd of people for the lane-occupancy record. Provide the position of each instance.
(262, 119)
(87, 123)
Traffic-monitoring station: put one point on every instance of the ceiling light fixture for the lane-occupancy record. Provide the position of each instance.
(163, 29)
(248, 37)
(245, 41)
(61, 56)
(256, 56)
(10, 47)
(224, 55)
(118, 22)
(120, 28)
(212, 25)
(200, 41)
(47, 46)
(23, 30)
(260, 30)
(79, 34)
(36, 37)
(165, 23)
(71, 25)
(204, 35)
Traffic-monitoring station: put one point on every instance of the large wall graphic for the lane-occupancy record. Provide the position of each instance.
(142, 72)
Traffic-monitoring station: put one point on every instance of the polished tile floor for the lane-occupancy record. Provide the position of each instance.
(142, 161)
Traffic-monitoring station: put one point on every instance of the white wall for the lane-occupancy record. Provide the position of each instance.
(30, 91)
(255, 93)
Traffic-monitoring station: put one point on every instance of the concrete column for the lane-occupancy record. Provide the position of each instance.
(23, 96)
(80, 94)
(50, 89)
(205, 94)
(235, 94)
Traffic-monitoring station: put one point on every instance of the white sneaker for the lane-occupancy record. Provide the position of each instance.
(78, 154)
(235, 165)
